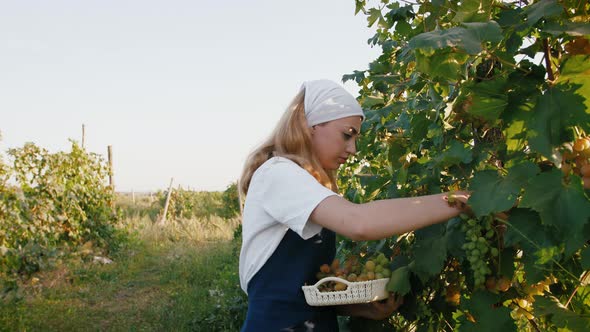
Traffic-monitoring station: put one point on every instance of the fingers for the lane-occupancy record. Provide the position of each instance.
(390, 304)
(383, 309)
(397, 301)
(458, 200)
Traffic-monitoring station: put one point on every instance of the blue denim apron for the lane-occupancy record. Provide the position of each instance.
(275, 298)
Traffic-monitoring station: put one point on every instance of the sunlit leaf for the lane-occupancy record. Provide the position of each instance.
(575, 71)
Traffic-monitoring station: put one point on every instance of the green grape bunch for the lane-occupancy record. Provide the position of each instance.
(478, 245)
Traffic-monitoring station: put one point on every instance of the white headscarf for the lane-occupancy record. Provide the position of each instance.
(326, 100)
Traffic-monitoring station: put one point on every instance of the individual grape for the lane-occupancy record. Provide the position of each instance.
(335, 265)
(453, 294)
(494, 252)
(503, 284)
(581, 144)
(339, 286)
(491, 283)
(566, 168)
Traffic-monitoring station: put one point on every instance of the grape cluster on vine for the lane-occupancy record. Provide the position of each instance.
(478, 235)
(577, 159)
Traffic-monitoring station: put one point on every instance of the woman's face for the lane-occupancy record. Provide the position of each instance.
(334, 141)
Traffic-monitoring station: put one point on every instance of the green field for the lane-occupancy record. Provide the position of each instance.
(162, 280)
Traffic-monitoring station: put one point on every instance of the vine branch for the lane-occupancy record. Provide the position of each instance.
(576, 289)
(547, 52)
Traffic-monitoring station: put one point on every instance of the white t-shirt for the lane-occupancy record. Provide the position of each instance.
(281, 196)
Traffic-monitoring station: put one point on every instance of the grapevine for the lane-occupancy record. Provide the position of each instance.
(50, 204)
(491, 97)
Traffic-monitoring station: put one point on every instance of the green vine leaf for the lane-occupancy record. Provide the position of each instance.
(473, 11)
(575, 71)
(430, 253)
(556, 111)
(468, 37)
(489, 315)
(559, 315)
(495, 193)
(487, 99)
(570, 28)
(542, 9)
(400, 281)
(585, 258)
(563, 205)
(455, 154)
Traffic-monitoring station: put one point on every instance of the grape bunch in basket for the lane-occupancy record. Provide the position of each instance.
(353, 269)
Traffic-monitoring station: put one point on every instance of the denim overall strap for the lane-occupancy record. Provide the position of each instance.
(275, 298)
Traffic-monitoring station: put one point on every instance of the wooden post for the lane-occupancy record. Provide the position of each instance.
(83, 135)
(111, 176)
(111, 172)
(163, 220)
(133, 195)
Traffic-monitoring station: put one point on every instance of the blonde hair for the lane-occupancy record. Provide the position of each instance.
(290, 139)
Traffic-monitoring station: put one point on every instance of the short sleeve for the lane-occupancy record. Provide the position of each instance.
(290, 194)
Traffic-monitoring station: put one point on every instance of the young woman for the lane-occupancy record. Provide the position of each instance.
(292, 212)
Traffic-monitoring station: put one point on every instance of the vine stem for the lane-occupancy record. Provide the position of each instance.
(512, 65)
(449, 325)
(531, 321)
(534, 325)
(576, 289)
(550, 75)
(537, 246)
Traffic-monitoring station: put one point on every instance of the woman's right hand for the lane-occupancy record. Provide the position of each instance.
(459, 200)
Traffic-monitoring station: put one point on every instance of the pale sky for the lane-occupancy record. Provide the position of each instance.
(179, 88)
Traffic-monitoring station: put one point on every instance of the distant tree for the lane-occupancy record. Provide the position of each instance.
(230, 202)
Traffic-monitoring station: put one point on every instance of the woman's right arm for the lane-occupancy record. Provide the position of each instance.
(384, 218)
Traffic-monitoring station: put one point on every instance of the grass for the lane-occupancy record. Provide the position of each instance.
(169, 278)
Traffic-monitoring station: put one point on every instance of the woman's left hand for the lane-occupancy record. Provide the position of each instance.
(380, 310)
(377, 310)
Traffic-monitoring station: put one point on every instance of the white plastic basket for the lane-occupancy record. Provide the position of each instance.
(356, 292)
